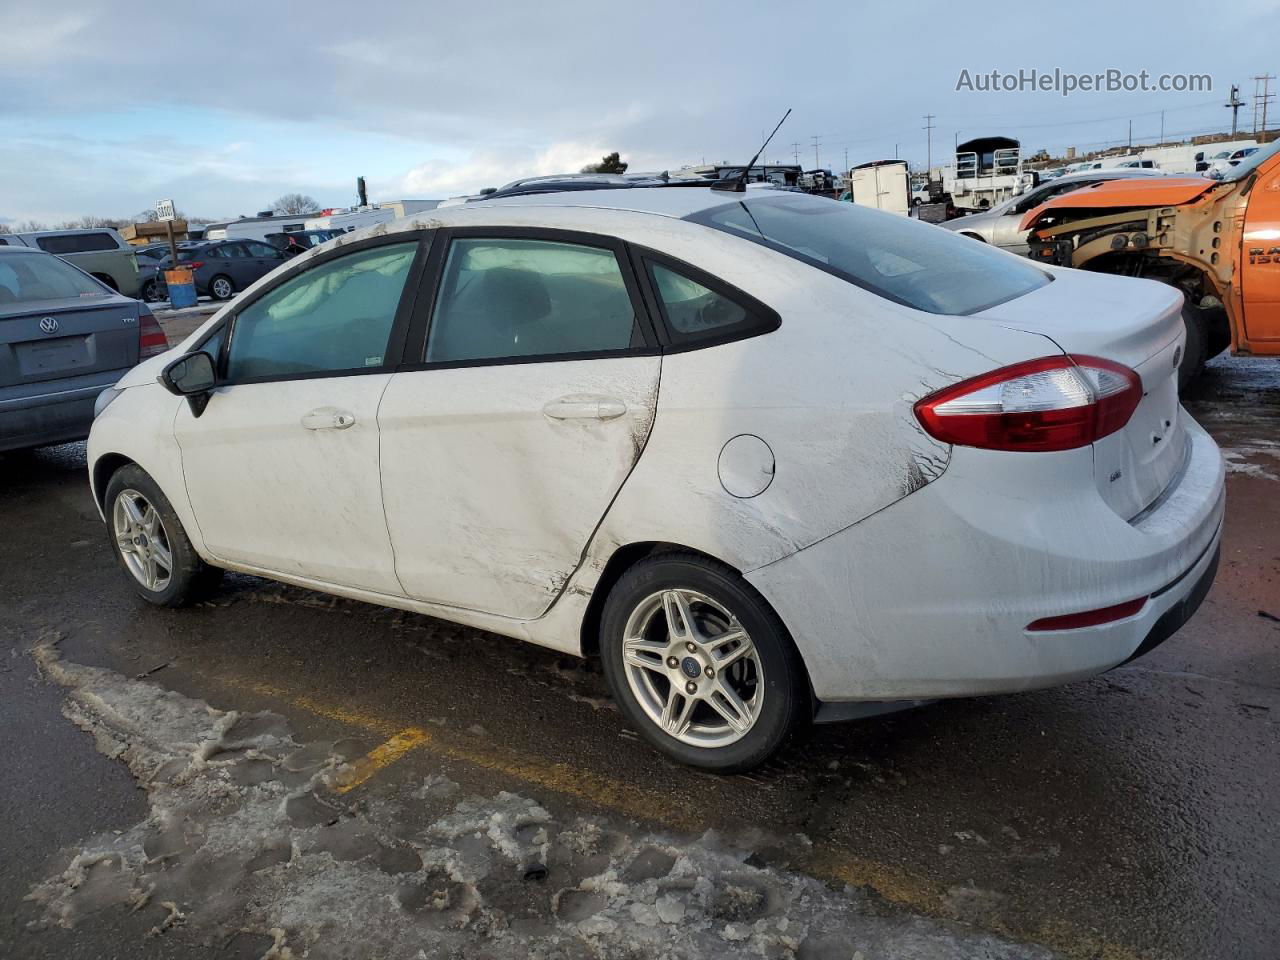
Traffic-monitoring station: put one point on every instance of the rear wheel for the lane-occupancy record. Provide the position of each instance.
(1195, 352)
(221, 287)
(150, 291)
(700, 664)
(108, 280)
(150, 544)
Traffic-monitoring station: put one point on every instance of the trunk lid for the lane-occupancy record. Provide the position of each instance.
(60, 338)
(1134, 322)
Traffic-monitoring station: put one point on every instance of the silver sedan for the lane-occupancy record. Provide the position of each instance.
(1001, 225)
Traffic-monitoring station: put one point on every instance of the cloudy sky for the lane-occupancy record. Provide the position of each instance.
(106, 108)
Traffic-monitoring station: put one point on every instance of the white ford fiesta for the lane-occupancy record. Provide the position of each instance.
(772, 458)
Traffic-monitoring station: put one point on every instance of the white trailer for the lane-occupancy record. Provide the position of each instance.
(883, 184)
(357, 217)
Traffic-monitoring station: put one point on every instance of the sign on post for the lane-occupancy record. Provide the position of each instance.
(164, 210)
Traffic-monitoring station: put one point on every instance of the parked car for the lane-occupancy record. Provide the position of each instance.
(101, 253)
(150, 259)
(1221, 164)
(1002, 224)
(223, 267)
(64, 337)
(771, 458)
(292, 244)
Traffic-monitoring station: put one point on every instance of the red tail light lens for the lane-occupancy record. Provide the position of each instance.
(151, 339)
(1054, 403)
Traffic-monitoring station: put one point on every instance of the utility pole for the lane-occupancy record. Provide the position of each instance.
(795, 144)
(1130, 136)
(1234, 105)
(1162, 126)
(1261, 100)
(928, 141)
(815, 138)
(846, 159)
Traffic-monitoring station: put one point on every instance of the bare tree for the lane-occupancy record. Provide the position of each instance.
(296, 203)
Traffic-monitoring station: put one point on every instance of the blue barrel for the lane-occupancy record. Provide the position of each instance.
(182, 287)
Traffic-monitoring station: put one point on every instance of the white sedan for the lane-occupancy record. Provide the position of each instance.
(773, 459)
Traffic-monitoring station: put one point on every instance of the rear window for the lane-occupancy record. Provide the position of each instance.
(30, 278)
(77, 243)
(900, 259)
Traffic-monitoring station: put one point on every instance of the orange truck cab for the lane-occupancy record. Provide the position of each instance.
(1216, 240)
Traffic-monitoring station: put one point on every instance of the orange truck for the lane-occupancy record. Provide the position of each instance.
(1216, 240)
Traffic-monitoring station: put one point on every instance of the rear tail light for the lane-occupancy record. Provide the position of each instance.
(151, 339)
(1054, 403)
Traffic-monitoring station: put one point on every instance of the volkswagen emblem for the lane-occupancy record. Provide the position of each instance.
(49, 325)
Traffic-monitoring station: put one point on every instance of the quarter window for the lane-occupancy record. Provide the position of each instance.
(691, 308)
(504, 298)
(335, 316)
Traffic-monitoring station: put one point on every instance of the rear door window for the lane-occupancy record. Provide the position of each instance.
(77, 242)
(905, 261)
(503, 298)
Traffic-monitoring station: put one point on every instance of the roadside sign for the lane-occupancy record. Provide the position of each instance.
(164, 210)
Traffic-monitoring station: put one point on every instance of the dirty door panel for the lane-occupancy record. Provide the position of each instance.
(501, 455)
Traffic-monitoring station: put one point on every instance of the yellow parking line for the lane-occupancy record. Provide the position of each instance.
(380, 756)
(629, 799)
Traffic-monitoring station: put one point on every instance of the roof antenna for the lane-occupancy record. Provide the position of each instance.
(739, 183)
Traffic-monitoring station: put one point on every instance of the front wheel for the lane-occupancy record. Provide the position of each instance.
(700, 664)
(150, 291)
(153, 549)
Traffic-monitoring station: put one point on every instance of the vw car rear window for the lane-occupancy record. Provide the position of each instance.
(31, 278)
(900, 259)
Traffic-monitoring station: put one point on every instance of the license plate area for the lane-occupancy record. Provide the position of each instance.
(64, 354)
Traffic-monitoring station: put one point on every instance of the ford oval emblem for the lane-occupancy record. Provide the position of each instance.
(49, 325)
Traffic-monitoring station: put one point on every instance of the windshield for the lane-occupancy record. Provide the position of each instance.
(31, 277)
(900, 259)
(1251, 162)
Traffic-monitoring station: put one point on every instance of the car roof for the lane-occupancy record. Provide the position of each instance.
(667, 201)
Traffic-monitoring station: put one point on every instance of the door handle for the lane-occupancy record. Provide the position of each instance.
(585, 408)
(328, 418)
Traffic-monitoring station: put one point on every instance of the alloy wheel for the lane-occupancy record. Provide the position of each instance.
(693, 668)
(222, 288)
(143, 540)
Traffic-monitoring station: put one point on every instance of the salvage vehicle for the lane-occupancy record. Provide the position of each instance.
(1217, 241)
(772, 459)
(1002, 224)
(64, 337)
(102, 253)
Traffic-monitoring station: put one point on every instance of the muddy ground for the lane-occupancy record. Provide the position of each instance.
(279, 773)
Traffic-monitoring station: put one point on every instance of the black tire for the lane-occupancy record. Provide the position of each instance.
(1195, 353)
(213, 287)
(190, 578)
(150, 292)
(784, 709)
(1217, 332)
(108, 280)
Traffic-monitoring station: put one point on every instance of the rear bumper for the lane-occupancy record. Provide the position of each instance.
(62, 412)
(931, 597)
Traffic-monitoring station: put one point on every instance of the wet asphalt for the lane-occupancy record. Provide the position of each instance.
(1131, 815)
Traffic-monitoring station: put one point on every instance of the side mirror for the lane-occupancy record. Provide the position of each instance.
(191, 376)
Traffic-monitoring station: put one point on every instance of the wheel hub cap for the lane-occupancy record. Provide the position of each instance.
(693, 668)
(143, 540)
